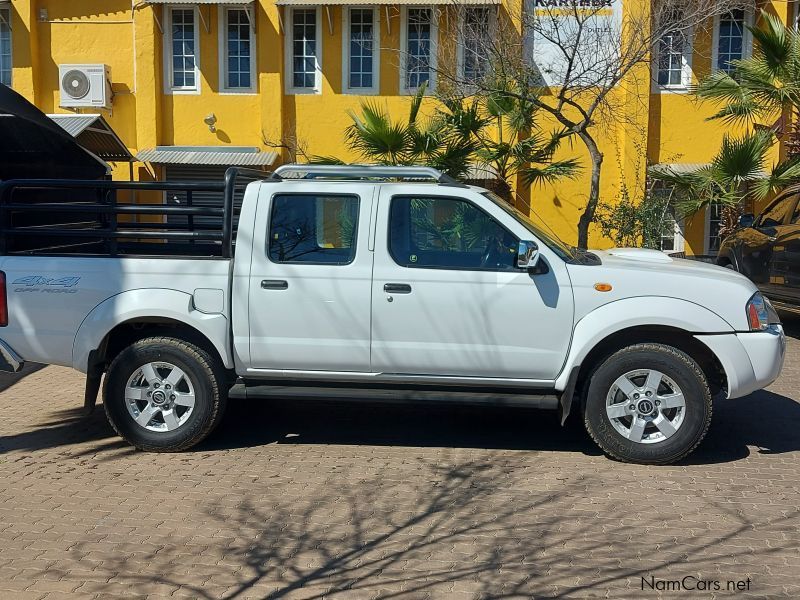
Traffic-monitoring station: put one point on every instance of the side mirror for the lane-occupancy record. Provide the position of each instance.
(746, 220)
(527, 255)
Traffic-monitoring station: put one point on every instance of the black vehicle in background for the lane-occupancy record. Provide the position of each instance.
(766, 248)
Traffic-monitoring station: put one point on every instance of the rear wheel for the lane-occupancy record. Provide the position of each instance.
(163, 394)
(649, 404)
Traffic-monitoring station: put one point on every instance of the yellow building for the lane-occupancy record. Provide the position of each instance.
(197, 85)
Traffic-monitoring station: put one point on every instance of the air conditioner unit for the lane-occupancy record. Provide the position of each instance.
(85, 86)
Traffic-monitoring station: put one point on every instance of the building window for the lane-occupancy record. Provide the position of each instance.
(303, 54)
(182, 44)
(238, 47)
(713, 222)
(674, 59)
(418, 57)
(475, 29)
(671, 239)
(732, 39)
(5, 46)
(361, 32)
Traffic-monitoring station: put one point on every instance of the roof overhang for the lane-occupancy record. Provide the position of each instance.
(93, 133)
(208, 155)
(455, 3)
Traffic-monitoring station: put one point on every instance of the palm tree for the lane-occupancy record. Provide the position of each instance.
(377, 138)
(763, 87)
(491, 131)
(503, 127)
(757, 92)
(738, 171)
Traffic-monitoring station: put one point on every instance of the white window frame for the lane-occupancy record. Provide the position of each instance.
(462, 13)
(288, 52)
(434, 57)
(5, 17)
(169, 88)
(707, 232)
(222, 27)
(678, 237)
(747, 39)
(376, 50)
(686, 67)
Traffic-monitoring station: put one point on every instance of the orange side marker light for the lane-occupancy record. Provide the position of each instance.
(603, 287)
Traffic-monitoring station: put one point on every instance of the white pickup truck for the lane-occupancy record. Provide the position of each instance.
(366, 283)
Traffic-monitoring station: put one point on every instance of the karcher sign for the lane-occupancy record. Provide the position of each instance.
(589, 30)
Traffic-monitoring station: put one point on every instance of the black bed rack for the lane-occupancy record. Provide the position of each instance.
(63, 216)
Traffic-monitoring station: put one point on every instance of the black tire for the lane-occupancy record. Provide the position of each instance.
(676, 365)
(207, 378)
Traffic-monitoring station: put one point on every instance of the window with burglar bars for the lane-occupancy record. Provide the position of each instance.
(5, 46)
(184, 52)
(475, 32)
(239, 53)
(361, 48)
(419, 47)
(304, 48)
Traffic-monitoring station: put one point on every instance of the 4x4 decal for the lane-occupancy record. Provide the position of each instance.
(38, 283)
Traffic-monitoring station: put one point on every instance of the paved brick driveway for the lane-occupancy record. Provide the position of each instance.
(372, 501)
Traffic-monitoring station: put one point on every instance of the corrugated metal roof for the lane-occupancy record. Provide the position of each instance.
(384, 2)
(74, 124)
(678, 168)
(93, 133)
(688, 169)
(207, 155)
(239, 2)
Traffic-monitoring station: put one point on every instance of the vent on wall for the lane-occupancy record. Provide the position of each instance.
(84, 86)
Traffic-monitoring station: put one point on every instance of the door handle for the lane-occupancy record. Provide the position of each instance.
(397, 288)
(274, 284)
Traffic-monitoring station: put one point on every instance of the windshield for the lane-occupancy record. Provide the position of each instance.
(564, 251)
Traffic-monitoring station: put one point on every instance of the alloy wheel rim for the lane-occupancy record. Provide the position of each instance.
(645, 406)
(159, 396)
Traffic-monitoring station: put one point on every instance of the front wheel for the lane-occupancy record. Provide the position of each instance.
(163, 394)
(648, 404)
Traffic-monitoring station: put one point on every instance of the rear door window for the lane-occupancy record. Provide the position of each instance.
(313, 229)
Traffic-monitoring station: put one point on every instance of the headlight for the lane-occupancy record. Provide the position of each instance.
(757, 314)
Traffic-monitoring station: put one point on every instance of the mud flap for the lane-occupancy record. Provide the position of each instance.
(94, 375)
(565, 400)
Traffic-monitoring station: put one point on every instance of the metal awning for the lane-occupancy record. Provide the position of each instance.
(95, 134)
(455, 3)
(688, 169)
(234, 2)
(678, 168)
(208, 155)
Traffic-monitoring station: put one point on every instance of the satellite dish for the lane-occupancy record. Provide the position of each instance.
(75, 83)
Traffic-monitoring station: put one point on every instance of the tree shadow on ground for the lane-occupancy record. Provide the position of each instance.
(62, 428)
(461, 528)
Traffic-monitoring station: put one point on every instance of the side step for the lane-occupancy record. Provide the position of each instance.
(393, 394)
